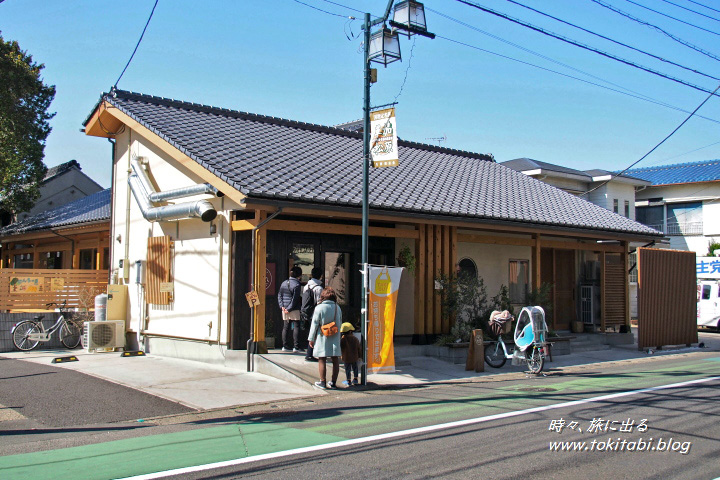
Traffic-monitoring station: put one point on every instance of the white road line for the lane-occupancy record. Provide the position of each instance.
(412, 431)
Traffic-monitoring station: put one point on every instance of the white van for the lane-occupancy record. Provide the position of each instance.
(708, 304)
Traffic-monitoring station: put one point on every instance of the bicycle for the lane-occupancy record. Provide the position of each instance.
(530, 343)
(27, 334)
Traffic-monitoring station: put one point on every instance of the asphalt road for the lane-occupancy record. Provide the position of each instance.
(44, 402)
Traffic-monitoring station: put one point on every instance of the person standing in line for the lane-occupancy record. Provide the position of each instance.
(311, 298)
(289, 301)
(351, 351)
(326, 313)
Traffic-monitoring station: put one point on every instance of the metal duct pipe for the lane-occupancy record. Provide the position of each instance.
(200, 208)
(155, 196)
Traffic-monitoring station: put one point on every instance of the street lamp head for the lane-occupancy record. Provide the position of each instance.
(384, 47)
(411, 14)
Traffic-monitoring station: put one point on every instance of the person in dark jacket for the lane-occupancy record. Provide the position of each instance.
(289, 301)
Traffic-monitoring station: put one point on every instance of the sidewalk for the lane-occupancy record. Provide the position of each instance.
(283, 376)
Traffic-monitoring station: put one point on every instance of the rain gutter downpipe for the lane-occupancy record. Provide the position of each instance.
(251, 344)
(156, 197)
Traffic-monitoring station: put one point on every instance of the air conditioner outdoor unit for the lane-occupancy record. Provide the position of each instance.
(104, 336)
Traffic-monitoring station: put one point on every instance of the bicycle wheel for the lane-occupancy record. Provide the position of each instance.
(22, 331)
(495, 355)
(535, 360)
(70, 334)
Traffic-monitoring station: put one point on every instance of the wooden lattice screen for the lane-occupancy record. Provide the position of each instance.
(158, 282)
(32, 289)
(616, 286)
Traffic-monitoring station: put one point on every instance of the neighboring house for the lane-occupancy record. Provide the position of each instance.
(72, 236)
(683, 201)
(210, 204)
(617, 196)
(62, 184)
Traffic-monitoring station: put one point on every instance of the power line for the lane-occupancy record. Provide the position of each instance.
(639, 97)
(612, 40)
(583, 46)
(704, 6)
(137, 45)
(545, 57)
(656, 28)
(323, 11)
(656, 146)
(673, 18)
(691, 10)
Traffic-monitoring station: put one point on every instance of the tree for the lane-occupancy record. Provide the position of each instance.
(24, 126)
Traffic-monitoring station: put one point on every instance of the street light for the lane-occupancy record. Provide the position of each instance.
(386, 49)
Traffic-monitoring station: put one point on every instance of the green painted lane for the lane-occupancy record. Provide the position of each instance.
(124, 458)
(420, 408)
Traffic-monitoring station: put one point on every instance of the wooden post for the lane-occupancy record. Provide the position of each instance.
(260, 267)
(429, 280)
(536, 278)
(602, 291)
(626, 269)
(420, 281)
(437, 248)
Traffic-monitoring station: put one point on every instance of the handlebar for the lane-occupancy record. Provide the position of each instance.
(60, 307)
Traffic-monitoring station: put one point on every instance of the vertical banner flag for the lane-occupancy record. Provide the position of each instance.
(384, 285)
(383, 139)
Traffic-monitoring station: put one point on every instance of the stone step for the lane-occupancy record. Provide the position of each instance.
(588, 347)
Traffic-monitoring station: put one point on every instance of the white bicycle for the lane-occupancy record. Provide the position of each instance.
(27, 334)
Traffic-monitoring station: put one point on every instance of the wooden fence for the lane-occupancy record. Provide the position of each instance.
(30, 289)
(667, 298)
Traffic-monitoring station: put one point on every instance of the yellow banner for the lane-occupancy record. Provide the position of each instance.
(384, 285)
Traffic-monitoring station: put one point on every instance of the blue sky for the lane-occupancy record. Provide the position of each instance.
(285, 59)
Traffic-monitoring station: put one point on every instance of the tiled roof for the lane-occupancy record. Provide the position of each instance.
(525, 164)
(271, 158)
(705, 171)
(58, 170)
(90, 209)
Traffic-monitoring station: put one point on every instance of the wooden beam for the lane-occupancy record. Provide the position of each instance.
(594, 247)
(184, 160)
(495, 240)
(332, 228)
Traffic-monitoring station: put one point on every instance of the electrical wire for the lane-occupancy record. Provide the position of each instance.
(639, 97)
(643, 52)
(412, 50)
(658, 29)
(583, 46)
(704, 6)
(635, 94)
(656, 146)
(673, 18)
(137, 45)
(691, 10)
(323, 11)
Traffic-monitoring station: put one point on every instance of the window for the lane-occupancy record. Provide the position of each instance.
(627, 208)
(51, 260)
(303, 256)
(616, 209)
(24, 260)
(650, 216)
(88, 257)
(518, 281)
(337, 275)
(467, 267)
(705, 292)
(685, 219)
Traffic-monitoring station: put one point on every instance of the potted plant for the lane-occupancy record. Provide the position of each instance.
(406, 259)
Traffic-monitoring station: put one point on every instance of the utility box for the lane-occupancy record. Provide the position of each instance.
(117, 303)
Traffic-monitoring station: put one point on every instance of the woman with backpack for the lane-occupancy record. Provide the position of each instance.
(324, 336)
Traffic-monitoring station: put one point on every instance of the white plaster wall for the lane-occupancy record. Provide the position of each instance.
(605, 195)
(493, 262)
(566, 183)
(201, 261)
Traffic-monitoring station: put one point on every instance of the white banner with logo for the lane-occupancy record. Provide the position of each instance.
(707, 267)
(383, 138)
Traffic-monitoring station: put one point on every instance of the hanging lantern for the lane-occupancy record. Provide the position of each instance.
(411, 14)
(384, 47)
